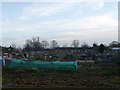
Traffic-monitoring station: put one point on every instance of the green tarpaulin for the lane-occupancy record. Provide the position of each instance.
(55, 65)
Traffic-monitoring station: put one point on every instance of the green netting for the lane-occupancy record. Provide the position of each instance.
(55, 65)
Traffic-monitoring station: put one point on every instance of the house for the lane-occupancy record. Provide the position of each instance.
(115, 49)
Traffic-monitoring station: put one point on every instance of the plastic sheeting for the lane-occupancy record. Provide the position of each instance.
(55, 65)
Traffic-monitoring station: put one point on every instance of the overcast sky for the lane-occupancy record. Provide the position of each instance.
(62, 21)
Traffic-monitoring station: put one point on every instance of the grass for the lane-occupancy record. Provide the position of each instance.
(97, 76)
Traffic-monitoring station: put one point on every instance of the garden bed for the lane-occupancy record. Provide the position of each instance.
(96, 76)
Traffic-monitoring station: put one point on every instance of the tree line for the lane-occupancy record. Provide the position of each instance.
(35, 44)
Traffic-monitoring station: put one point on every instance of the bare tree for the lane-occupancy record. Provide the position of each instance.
(54, 44)
(36, 43)
(44, 43)
(13, 45)
(65, 45)
(75, 43)
(33, 44)
(28, 45)
(114, 44)
(84, 45)
(19, 48)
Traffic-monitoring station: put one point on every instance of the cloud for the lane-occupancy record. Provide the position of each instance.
(47, 9)
(96, 5)
(92, 24)
(37, 10)
(59, 0)
(90, 28)
(7, 41)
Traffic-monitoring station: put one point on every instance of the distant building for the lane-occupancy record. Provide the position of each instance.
(115, 49)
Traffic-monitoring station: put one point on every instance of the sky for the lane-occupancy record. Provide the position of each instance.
(61, 21)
